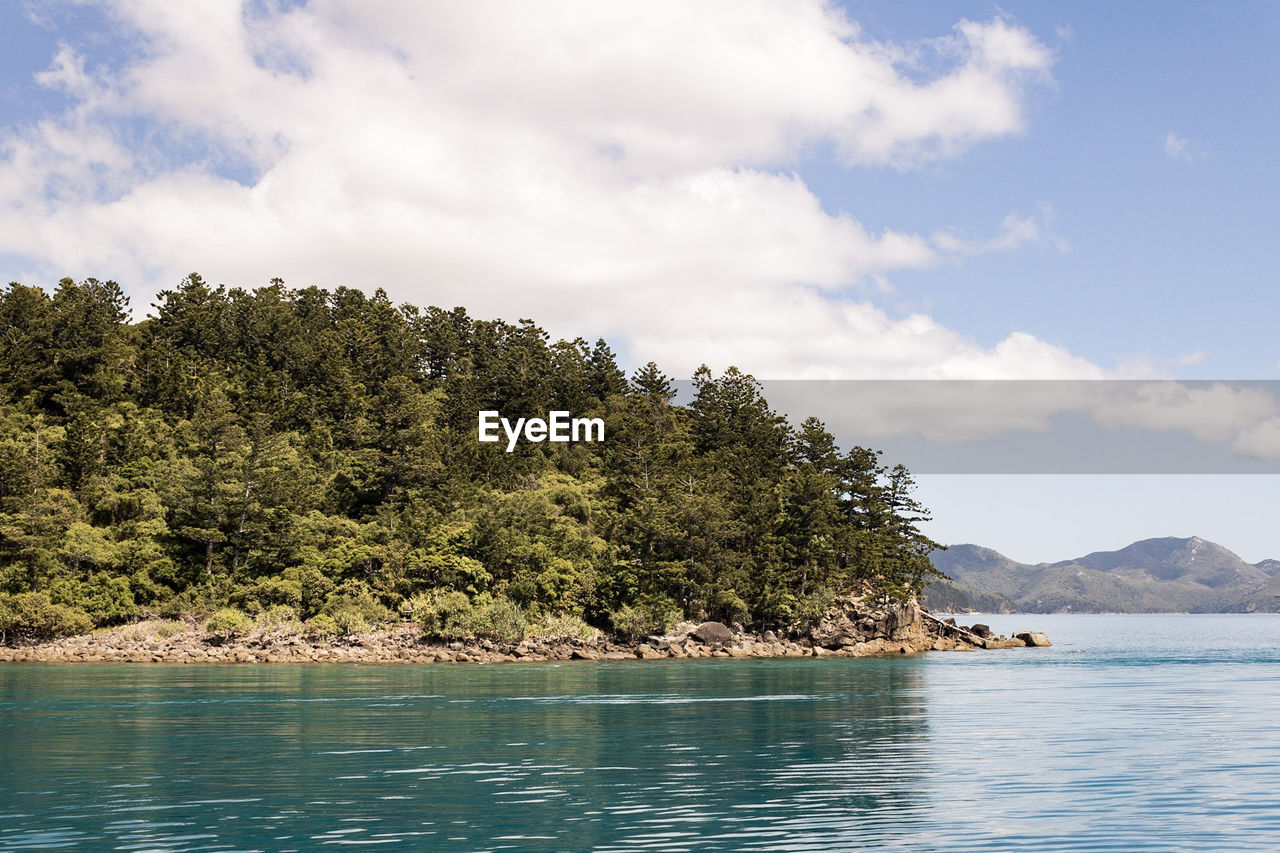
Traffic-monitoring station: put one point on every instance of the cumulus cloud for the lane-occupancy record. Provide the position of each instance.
(1216, 412)
(607, 168)
(1260, 441)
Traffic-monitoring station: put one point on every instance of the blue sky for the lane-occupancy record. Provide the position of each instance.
(1167, 257)
(924, 190)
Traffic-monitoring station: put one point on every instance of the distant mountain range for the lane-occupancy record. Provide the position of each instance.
(1166, 575)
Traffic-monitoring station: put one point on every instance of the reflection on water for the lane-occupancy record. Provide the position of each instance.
(1137, 733)
(697, 755)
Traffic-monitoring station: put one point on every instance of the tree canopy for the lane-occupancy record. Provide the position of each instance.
(317, 449)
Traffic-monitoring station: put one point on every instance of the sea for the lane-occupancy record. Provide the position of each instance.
(1132, 733)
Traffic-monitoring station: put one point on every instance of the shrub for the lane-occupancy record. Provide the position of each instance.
(446, 614)
(32, 616)
(356, 600)
(810, 609)
(151, 629)
(649, 614)
(199, 602)
(267, 593)
(166, 628)
(107, 599)
(562, 628)
(728, 607)
(228, 622)
(502, 620)
(350, 620)
(280, 619)
(320, 626)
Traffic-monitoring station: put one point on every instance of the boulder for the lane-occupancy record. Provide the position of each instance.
(770, 637)
(981, 630)
(1034, 638)
(713, 633)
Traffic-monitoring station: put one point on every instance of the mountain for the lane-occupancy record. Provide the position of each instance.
(1271, 567)
(1166, 575)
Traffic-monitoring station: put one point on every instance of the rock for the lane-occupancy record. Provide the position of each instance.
(713, 633)
(1003, 643)
(1034, 638)
(684, 629)
(583, 654)
(983, 631)
(770, 637)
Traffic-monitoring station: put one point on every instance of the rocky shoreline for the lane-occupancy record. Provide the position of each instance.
(850, 629)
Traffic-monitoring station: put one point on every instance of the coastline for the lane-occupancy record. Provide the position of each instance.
(852, 631)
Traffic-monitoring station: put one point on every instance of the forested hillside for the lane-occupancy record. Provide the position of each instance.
(313, 455)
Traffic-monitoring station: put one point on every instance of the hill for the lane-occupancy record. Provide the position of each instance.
(317, 456)
(1164, 575)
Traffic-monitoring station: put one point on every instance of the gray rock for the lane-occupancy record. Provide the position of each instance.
(713, 633)
(983, 631)
(770, 637)
(1034, 638)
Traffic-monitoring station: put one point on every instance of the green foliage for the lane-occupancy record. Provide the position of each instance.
(442, 613)
(320, 626)
(561, 628)
(809, 610)
(228, 622)
(165, 628)
(280, 620)
(650, 614)
(349, 619)
(316, 450)
(108, 600)
(32, 616)
(355, 608)
(501, 620)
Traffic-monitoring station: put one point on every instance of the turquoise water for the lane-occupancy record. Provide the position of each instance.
(1131, 733)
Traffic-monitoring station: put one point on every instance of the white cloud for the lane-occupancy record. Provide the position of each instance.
(1193, 357)
(1260, 441)
(1015, 231)
(1179, 148)
(1218, 413)
(606, 168)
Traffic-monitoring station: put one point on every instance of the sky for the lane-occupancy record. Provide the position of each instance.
(868, 190)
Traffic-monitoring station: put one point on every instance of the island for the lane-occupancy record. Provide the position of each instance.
(294, 474)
